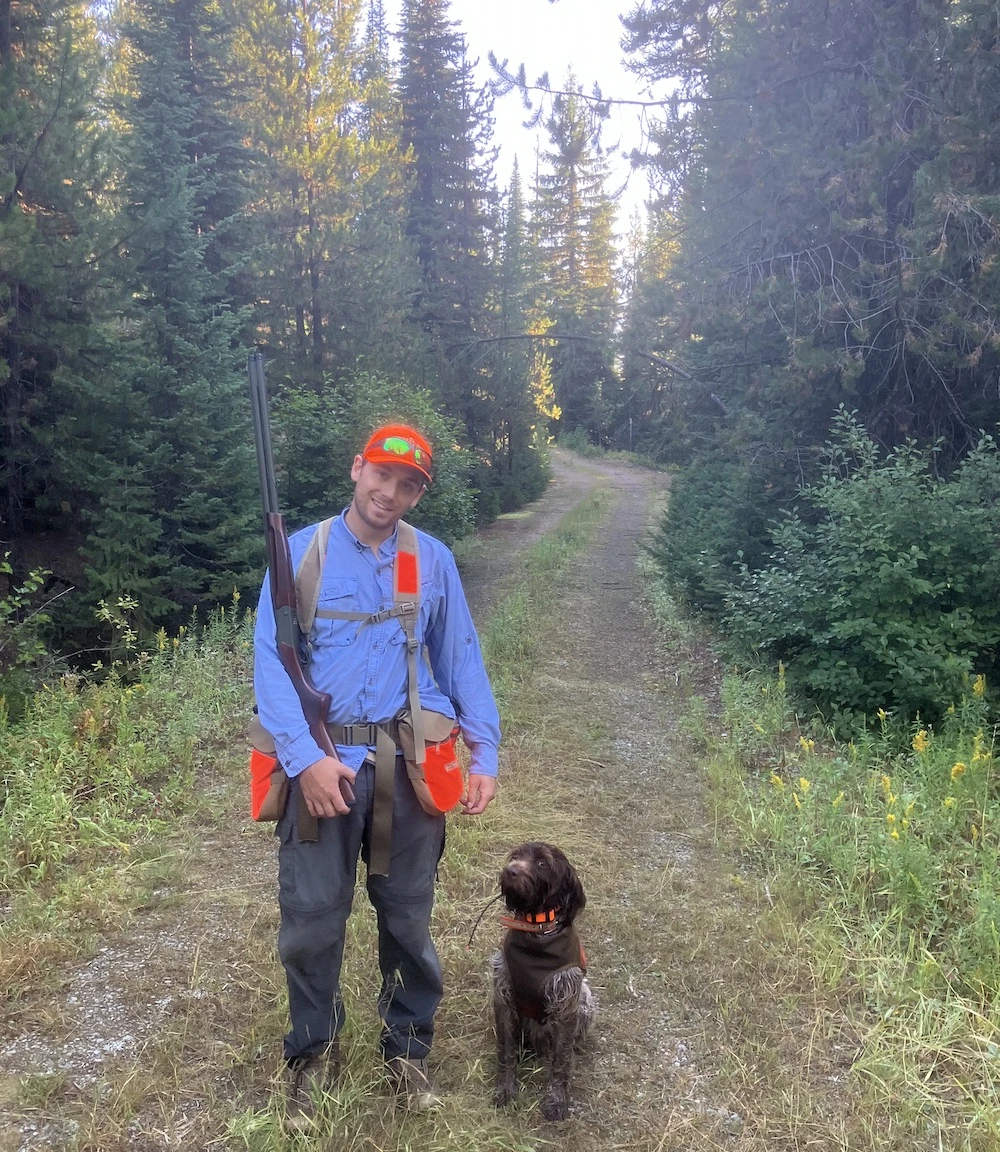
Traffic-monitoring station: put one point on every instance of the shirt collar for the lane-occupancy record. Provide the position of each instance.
(389, 543)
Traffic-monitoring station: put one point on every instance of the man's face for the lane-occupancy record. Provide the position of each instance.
(384, 493)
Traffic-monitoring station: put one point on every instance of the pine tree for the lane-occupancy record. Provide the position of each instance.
(514, 470)
(176, 528)
(447, 126)
(832, 170)
(51, 171)
(573, 220)
(335, 273)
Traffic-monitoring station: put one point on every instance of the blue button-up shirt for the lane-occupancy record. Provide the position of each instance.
(364, 669)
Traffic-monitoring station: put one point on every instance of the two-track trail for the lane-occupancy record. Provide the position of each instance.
(710, 1033)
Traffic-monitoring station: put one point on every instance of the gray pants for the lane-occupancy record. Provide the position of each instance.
(316, 888)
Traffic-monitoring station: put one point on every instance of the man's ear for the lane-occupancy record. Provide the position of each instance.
(356, 468)
(416, 499)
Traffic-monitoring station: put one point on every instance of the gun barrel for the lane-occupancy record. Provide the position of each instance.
(262, 434)
(315, 705)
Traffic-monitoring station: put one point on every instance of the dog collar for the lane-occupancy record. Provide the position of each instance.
(531, 921)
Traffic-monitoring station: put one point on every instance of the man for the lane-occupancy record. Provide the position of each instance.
(363, 667)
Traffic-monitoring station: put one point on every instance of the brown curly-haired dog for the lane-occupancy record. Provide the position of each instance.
(541, 998)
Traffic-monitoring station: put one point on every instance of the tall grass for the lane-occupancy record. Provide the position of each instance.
(889, 843)
(93, 774)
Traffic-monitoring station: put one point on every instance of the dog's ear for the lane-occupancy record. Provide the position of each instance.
(574, 899)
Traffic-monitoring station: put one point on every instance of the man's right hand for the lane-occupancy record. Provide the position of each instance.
(320, 784)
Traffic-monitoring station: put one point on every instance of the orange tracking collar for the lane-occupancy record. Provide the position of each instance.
(530, 921)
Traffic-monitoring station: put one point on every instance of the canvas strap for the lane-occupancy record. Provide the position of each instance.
(406, 598)
(308, 576)
(405, 608)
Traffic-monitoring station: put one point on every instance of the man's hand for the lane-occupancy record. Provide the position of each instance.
(320, 784)
(478, 794)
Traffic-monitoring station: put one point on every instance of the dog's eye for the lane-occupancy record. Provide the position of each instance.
(541, 863)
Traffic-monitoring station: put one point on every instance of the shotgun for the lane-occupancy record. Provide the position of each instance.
(287, 634)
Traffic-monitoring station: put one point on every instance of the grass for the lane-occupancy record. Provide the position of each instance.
(884, 850)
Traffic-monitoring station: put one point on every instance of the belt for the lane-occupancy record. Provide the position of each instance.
(385, 737)
(353, 734)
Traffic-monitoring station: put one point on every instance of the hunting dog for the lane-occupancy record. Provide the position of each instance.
(541, 998)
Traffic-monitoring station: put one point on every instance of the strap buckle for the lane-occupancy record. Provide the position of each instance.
(359, 733)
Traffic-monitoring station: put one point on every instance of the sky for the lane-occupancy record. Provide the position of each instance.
(582, 35)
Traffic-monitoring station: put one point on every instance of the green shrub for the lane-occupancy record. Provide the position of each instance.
(24, 659)
(892, 596)
(577, 440)
(717, 518)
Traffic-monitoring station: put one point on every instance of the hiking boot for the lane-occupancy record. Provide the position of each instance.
(412, 1084)
(308, 1078)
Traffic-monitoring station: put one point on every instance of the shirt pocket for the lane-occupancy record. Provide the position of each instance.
(340, 595)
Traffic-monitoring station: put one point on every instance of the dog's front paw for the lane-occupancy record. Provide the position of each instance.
(555, 1106)
(505, 1092)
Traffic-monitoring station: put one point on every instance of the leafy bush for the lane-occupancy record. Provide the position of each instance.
(24, 660)
(577, 440)
(717, 519)
(892, 597)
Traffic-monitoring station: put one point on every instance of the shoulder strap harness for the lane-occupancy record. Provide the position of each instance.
(406, 609)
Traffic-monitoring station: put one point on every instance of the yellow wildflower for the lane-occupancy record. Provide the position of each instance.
(957, 770)
(804, 784)
(882, 715)
(906, 823)
(161, 640)
(920, 741)
(949, 802)
(974, 831)
(806, 745)
(979, 685)
(798, 802)
(894, 834)
(236, 595)
(978, 747)
(176, 642)
(891, 799)
(838, 799)
(887, 785)
(890, 818)
(951, 709)
(776, 781)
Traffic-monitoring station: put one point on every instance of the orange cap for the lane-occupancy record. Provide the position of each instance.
(399, 444)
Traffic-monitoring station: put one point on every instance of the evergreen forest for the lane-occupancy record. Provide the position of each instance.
(804, 322)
